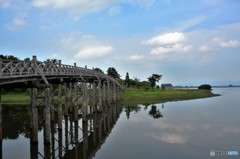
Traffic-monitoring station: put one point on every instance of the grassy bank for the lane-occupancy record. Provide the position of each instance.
(143, 96)
(16, 98)
(129, 96)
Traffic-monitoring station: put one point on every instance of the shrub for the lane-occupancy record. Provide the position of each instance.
(205, 86)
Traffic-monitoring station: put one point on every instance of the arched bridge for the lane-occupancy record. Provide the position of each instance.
(59, 88)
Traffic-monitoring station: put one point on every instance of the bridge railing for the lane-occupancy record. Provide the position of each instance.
(18, 68)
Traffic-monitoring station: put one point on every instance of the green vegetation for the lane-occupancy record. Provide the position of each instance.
(205, 86)
(144, 96)
(16, 98)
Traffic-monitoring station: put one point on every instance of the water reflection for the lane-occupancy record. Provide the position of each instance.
(76, 140)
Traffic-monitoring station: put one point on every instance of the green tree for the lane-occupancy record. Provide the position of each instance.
(111, 71)
(8, 57)
(154, 79)
(127, 80)
(98, 70)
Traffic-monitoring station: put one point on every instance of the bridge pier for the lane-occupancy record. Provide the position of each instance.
(59, 111)
(100, 95)
(66, 91)
(47, 123)
(85, 104)
(34, 115)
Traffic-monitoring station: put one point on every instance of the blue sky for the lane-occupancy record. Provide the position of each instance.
(189, 42)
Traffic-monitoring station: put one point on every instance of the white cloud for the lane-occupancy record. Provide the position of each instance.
(231, 43)
(93, 52)
(168, 38)
(136, 57)
(191, 22)
(171, 48)
(82, 7)
(204, 48)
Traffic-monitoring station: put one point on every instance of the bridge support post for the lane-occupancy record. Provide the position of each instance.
(85, 139)
(104, 93)
(84, 106)
(108, 93)
(100, 95)
(60, 106)
(34, 115)
(70, 98)
(66, 91)
(75, 98)
(52, 103)
(94, 97)
(47, 124)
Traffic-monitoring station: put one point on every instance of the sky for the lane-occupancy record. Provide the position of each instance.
(189, 42)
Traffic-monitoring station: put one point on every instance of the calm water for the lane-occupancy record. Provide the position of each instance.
(172, 130)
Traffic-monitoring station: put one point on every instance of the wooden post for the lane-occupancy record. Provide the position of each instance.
(84, 106)
(66, 91)
(59, 106)
(66, 131)
(100, 95)
(76, 139)
(60, 147)
(85, 139)
(94, 97)
(34, 114)
(108, 93)
(71, 97)
(52, 139)
(47, 124)
(75, 102)
(52, 103)
(104, 92)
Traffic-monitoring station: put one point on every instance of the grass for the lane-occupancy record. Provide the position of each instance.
(143, 96)
(129, 96)
(16, 98)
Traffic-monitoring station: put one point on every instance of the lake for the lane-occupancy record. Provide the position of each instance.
(173, 130)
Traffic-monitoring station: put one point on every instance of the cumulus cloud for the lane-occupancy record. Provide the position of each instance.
(168, 43)
(93, 52)
(168, 38)
(136, 57)
(168, 49)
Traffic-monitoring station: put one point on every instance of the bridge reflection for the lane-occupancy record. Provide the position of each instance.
(78, 139)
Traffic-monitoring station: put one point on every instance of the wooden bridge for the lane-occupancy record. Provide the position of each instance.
(58, 88)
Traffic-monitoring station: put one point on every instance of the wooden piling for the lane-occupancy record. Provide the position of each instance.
(75, 102)
(84, 106)
(59, 106)
(47, 124)
(34, 115)
(100, 96)
(52, 103)
(66, 91)
(94, 97)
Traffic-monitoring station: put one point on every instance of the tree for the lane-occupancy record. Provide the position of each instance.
(55, 61)
(8, 57)
(98, 70)
(205, 86)
(153, 79)
(127, 80)
(111, 71)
